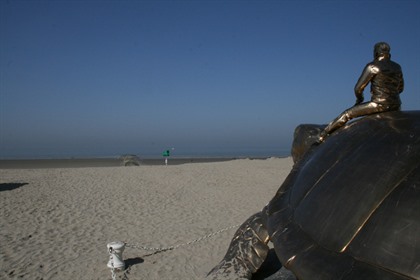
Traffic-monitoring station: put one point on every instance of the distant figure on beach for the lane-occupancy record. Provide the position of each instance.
(387, 83)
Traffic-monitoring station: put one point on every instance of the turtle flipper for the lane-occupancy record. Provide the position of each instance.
(247, 251)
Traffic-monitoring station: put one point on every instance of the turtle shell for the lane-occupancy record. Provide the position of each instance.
(350, 208)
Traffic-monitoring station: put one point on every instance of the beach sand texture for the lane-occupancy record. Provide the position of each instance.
(56, 222)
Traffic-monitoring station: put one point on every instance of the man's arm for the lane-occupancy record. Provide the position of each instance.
(368, 73)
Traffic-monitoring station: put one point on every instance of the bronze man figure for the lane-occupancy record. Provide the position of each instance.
(387, 83)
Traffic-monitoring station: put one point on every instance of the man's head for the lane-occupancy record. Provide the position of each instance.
(381, 49)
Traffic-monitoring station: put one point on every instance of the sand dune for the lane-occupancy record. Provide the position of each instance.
(56, 223)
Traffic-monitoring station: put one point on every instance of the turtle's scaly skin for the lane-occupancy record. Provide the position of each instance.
(350, 207)
(304, 137)
(247, 251)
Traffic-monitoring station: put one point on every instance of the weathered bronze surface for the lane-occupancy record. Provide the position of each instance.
(349, 208)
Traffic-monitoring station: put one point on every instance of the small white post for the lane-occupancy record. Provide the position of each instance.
(115, 250)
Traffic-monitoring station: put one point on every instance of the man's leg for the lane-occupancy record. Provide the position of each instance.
(354, 112)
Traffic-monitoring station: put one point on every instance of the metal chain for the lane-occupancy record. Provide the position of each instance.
(161, 249)
(111, 257)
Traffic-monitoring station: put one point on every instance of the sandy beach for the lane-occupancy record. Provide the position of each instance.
(56, 222)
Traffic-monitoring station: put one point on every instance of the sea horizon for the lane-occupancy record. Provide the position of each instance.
(239, 153)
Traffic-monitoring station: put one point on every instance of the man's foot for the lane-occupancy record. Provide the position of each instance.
(322, 137)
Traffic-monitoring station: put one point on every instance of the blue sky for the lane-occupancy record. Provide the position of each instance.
(97, 78)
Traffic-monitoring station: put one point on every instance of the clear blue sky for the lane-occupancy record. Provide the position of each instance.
(90, 78)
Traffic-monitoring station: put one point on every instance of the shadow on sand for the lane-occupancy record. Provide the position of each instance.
(11, 186)
(133, 261)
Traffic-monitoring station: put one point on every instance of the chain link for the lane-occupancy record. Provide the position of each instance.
(111, 258)
(168, 248)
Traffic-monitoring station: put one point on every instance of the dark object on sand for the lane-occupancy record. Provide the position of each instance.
(130, 160)
(349, 208)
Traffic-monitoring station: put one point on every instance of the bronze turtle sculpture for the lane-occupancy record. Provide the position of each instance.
(349, 209)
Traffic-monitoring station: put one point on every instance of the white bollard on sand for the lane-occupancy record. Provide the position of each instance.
(115, 250)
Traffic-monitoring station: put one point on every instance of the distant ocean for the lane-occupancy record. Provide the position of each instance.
(175, 153)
